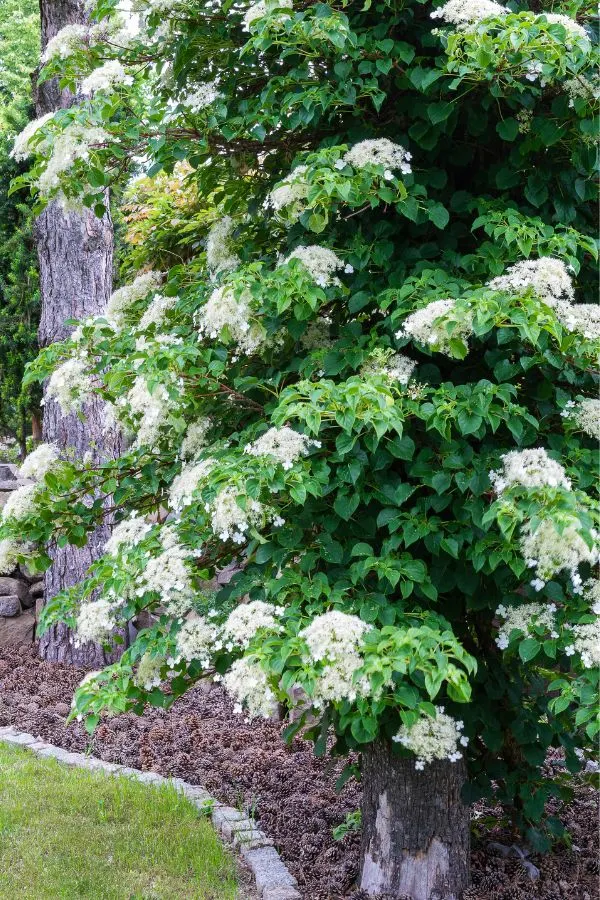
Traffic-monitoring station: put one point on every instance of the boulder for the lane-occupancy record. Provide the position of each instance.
(17, 630)
(36, 591)
(10, 606)
(9, 586)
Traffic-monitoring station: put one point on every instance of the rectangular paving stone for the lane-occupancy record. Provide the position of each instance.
(281, 893)
(268, 869)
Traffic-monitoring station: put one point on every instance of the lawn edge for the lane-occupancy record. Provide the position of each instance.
(273, 879)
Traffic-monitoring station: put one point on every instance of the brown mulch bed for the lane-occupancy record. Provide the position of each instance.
(290, 791)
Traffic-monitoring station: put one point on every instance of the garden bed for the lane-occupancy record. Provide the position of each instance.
(289, 791)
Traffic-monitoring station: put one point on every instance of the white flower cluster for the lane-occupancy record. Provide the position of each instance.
(70, 384)
(318, 335)
(551, 551)
(586, 643)
(248, 685)
(195, 438)
(9, 554)
(156, 312)
(128, 533)
(523, 618)
(433, 738)
(219, 256)
(548, 277)
(321, 263)
(39, 462)
(69, 40)
(379, 152)
(123, 298)
(201, 97)
(586, 415)
(70, 145)
(428, 326)
(531, 469)
(151, 408)
(569, 24)
(22, 146)
(394, 367)
(223, 310)
(21, 504)
(168, 575)
(463, 13)
(583, 318)
(147, 675)
(96, 620)
(335, 638)
(106, 78)
(290, 194)
(196, 640)
(229, 521)
(591, 592)
(246, 619)
(181, 492)
(283, 444)
(266, 7)
(579, 88)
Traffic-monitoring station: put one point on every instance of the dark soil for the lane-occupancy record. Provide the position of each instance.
(290, 791)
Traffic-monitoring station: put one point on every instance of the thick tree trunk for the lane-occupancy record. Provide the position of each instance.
(415, 828)
(75, 253)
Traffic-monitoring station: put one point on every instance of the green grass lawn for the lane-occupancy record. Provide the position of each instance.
(67, 833)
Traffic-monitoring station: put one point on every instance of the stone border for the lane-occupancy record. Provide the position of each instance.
(273, 880)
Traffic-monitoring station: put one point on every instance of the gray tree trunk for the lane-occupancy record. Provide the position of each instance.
(75, 253)
(415, 828)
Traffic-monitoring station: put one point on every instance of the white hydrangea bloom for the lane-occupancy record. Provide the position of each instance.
(96, 620)
(72, 144)
(333, 634)
(591, 592)
(201, 96)
(463, 13)
(156, 312)
(21, 504)
(523, 618)
(246, 619)
(433, 738)
(248, 685)
(70, 384)
(548, 277)
(197, 639)
(531, 469)
(585, 414)
(569, 24)
(106, 78)
(379, 152)
(428, 326)
(181, 492)
(587, 643)
(69, 40)
(321, 263)
(583, 318)
(152, 409)
(219, 256)
(9, 555)
(266, 7)
(229, 521)
(283, 444)
(290, 194)
(123, 298)
(21, 148)
(550, 551)
(128, 533)
(223, 310)
(39, 462)
(394, 367)
(195, 438)
(579, 88)
(168, 575)
(318, 335)
(147, 675)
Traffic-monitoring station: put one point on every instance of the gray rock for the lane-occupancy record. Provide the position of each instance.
(10, 586)
(10, 606)
(269, 871)
(17, 629)
(281, 893)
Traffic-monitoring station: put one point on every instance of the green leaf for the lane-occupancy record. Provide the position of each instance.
(529, 649)
(508, 129)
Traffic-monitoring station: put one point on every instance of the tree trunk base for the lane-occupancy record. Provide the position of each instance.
(416, 837)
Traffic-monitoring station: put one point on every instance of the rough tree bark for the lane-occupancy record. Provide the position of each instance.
(75, 252)
(415, 828)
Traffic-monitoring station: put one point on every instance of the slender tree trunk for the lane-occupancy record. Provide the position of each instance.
(415, 828)
(75, 252)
